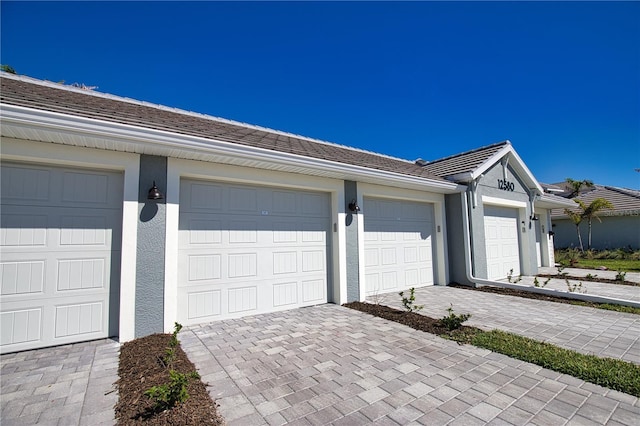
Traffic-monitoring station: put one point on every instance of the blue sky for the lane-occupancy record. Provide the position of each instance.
(414, 79)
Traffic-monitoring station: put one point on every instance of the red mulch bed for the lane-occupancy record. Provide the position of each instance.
(140, 368)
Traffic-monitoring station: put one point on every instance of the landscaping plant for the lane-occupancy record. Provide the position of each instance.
(453, 321)
(174, 392)
(409, 303)
(168, 395)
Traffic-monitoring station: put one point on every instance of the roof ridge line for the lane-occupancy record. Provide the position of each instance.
(91, 92)
(504, 142)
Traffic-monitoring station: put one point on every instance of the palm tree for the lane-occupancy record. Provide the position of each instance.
(592, 210)
(576, 186)
(576, 218)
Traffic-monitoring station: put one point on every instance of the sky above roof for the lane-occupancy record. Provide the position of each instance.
(561, 80)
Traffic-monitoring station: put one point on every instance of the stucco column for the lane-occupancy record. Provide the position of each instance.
(151, 248)
(351, 226)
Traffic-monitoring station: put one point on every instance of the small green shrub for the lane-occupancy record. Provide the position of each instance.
(620, 276)
(591, 277)
(574, 287)
(453, 321)
(409, 303)
(170, 352)
(168, 395)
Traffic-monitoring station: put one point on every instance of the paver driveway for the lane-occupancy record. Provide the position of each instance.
(588, 330)
(329, 364)
(65, 385)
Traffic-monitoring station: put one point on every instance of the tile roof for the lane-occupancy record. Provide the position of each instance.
(31, 93)
(464, 162)
(626, 202)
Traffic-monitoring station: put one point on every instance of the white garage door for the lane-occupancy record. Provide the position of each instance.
(501, 239)
(250, 249)
(397, 245)
(60, 258)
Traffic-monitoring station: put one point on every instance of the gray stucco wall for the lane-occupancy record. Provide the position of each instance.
(151, 248)
(351, 223)
(614, 232)
(455, 239)
(488, 186)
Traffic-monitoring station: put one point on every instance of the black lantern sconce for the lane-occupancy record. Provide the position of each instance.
(353, 206)
(154, 193)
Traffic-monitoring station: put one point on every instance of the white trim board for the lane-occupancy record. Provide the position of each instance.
(503, 202)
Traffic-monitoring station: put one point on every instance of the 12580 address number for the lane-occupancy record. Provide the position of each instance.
(505, 185)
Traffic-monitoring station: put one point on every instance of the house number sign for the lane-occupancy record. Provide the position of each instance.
(505, 185)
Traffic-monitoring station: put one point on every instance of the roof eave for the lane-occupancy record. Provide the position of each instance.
(144, 140)
(548, 202)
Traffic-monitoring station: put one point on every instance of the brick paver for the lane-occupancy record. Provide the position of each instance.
(64, 385)
(332, 365)
(587, 330)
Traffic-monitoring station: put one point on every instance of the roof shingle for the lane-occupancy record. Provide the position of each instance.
(625, 201)
(465, 161)
(30, 93)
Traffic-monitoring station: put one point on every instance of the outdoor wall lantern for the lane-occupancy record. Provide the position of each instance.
(154, 193)
(353, 206)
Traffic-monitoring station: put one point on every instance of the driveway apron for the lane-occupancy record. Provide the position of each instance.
(331, 365)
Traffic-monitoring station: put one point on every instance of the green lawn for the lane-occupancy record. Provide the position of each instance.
(615, 260)
(612, 264)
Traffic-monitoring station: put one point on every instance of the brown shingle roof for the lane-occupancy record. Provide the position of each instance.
(48, 96)
(464, 162)
(625, 201)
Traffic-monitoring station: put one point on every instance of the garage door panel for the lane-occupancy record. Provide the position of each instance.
(22, 183)
(61, 228)
(60, 238)
(202, 196)
(79, 319)
(21, 325)
(254, 253)
(397, 245)
(22, 276)
(32, 185)
(501, 242)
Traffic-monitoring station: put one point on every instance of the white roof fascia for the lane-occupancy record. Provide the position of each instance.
(554, 202)
(462, 177)
(491, 161)
(143, 137)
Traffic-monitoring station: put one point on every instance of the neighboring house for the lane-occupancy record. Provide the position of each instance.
(120, 217)
(620, 226)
